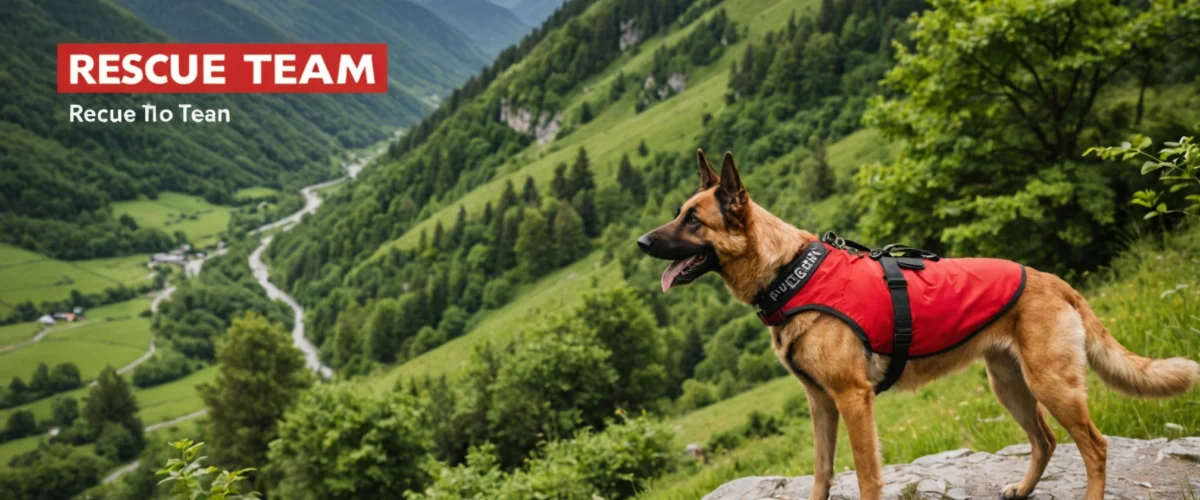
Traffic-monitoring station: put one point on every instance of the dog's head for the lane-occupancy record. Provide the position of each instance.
(709, 229)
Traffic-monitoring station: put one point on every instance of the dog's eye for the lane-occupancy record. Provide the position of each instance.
(691, 219)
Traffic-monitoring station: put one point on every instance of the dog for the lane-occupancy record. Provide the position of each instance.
(1036, 351)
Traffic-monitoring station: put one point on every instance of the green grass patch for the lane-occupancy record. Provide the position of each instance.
(173, 399)
(26, 275)
(200, 220)
(156, 404)
(17, 333)
(13, 448)
(558, 292)
(112, 335)
(255, 193)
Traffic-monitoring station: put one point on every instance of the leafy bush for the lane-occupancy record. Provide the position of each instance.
(614, 463)
(166, 365)
(338, 443)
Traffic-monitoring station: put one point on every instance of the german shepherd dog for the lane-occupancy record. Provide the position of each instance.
(1036, 352)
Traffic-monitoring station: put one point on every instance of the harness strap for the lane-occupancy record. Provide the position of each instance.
(902, 322)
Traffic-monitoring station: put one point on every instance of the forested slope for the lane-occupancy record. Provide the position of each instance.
(59, 177)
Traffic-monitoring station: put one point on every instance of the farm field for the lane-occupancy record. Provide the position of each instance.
(157, 404)
(112, 335)
(200, 220)
(17, 333)
(26, 275)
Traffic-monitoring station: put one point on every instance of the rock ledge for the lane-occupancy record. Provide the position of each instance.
(1137, 469)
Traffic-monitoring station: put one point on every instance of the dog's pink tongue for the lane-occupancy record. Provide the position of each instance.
(673, 270)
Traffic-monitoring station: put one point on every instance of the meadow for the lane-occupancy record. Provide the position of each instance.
(200, 220)
(18, 332)
(112, 335)
(157, 404)
(26, 275)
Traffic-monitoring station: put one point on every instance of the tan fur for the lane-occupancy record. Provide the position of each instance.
(1036, 353)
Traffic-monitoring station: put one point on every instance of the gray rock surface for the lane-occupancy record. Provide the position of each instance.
(1137, 469)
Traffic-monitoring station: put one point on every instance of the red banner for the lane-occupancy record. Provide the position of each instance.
(240, 68)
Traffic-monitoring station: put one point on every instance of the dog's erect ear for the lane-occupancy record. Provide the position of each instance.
(730, 191)
(708, 178)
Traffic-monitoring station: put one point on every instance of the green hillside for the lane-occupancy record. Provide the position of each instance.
(59, 178)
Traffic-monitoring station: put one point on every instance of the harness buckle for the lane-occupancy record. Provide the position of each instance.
(896, 282)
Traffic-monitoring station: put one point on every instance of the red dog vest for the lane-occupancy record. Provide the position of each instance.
(949, 300)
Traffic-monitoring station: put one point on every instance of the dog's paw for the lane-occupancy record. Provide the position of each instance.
(1012, 492)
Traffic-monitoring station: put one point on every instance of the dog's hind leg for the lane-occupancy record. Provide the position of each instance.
(1055, 366)
(825, 428)
(1010, 388)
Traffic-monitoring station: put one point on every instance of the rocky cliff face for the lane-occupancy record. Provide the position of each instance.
(1137, 469)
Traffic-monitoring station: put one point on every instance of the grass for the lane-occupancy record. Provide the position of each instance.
(113, 335)
(1150, 301)
(200, 220)
(17, 333)
(255, 193)
(559, 291)
(157, 404)
(26, 275)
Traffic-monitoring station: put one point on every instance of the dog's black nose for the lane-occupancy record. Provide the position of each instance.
(644, 243)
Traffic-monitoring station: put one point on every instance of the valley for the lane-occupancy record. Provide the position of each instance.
(479, 318)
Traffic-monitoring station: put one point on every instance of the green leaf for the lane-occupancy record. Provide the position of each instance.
(1162, 207)
(1150, 166)
(1145, 143)
(1150, 215)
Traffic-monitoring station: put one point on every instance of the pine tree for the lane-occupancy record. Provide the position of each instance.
(821, 181)
(630, 180)
(534, 252)
(530, 193)
(584, 205)
(585, 112)
(618, 87)
(487, 213)
(460, 227)
(422, 242)
(438, 234)
(112, 400)
(260, 375)
(570, 238)
(508, 197)
(559, 186)
(643, 151)
(347, 343)
(581, 175)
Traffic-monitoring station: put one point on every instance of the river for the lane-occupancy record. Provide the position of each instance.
(312, 201)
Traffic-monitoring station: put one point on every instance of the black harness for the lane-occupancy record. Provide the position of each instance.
(793, 276)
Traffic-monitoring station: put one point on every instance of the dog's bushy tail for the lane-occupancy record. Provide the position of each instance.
(1127, 372)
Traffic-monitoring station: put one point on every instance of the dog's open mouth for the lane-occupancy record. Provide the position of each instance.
(686, 270)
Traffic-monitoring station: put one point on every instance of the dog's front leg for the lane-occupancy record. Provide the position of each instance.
(857, 406)
(825, 427)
